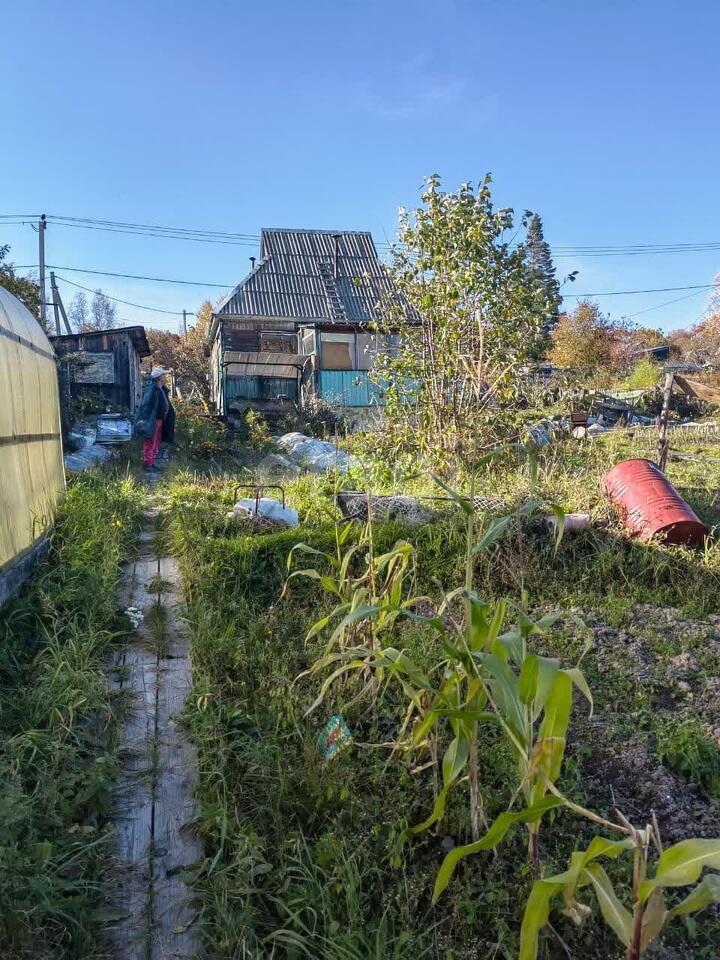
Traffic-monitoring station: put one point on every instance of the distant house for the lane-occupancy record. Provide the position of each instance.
(105, 364)
(659, 353)
(298, 323)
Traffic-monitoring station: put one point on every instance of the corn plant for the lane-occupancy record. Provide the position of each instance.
(678, 866)
(368, 602)
(530, 698)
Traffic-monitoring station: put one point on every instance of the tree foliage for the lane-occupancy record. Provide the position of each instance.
(185, 354)
(541, 263)
(471, 309)
(588, 341)
(26, 289)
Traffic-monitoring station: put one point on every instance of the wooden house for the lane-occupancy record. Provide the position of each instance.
(298, 324)
(105, 364)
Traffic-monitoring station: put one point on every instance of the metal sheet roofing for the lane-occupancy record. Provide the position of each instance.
(296, 278)
(247, 364)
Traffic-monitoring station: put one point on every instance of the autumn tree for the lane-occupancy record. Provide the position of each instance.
(185, 354)
(468, 311)
(583, 339)
(26, 289)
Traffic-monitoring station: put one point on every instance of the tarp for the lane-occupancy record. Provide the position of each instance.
(315, 455)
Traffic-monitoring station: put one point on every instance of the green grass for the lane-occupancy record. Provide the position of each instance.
(57, 725)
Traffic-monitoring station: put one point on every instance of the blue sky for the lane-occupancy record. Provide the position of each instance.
(232, 116)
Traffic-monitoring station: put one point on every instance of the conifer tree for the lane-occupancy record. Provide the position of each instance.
(541, 263)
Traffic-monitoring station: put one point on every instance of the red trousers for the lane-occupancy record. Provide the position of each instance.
(151, 445)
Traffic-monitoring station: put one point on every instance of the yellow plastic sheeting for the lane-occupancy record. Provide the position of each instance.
(32, 477)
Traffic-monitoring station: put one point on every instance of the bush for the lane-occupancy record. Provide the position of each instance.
(645, 375)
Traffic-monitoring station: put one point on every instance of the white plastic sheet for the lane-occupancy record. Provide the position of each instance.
(315, 455)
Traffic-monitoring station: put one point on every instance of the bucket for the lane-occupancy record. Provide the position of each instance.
(649, 506)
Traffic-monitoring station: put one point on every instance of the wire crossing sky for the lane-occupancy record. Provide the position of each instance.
(160, 138)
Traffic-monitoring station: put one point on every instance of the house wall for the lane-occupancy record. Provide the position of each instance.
(349, 388)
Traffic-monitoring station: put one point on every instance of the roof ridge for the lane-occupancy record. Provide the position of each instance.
(315, 230)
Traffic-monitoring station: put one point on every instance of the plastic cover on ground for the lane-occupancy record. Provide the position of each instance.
(315, 455)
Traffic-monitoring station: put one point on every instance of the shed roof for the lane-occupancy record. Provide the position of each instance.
(296, 278)
(137, 336)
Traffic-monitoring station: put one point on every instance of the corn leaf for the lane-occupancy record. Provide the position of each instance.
(494, 531)
(491, 839)
(465, 505)
(617, 917)
(682, 864)
(537, 909)
(654, 918)
(705, 893)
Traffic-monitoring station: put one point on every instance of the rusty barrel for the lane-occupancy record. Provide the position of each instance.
(649, 506)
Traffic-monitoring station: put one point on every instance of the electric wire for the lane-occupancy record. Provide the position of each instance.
(128, 303)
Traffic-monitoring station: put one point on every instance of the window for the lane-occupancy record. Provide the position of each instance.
(337, 351)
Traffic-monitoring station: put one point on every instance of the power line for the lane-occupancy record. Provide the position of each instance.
(230, 286)
(128, 303)
(666, 303)
(623, 293)
(134, 276)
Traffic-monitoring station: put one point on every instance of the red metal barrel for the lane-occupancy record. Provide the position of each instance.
(649, 506)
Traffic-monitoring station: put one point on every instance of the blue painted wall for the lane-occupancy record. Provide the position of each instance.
(349, 388)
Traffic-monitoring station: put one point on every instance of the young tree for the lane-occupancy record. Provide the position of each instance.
(468, 312)
(26, 289)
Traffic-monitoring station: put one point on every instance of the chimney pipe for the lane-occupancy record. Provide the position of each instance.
(336, 243)
(252, 264)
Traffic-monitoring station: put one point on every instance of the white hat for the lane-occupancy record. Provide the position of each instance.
(158, 372)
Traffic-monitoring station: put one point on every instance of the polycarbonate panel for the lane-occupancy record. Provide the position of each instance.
(31, 464)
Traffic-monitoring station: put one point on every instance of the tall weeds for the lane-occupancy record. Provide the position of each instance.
(57, 746)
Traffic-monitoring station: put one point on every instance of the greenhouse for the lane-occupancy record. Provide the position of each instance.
(31, 462)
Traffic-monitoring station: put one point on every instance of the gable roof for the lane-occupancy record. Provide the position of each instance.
(295, 278)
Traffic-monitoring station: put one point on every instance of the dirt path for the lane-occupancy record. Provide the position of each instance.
(153, 805)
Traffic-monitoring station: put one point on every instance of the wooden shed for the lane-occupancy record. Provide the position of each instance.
(31, 463)
(105, 364)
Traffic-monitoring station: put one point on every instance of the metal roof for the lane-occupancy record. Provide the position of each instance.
(296, 278)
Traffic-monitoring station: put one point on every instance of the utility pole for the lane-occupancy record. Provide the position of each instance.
(58, 305)
(663, 446)
(56, 309)
(42, 224)
(185, 322)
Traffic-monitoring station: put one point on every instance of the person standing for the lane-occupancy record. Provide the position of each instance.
(152, 413)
